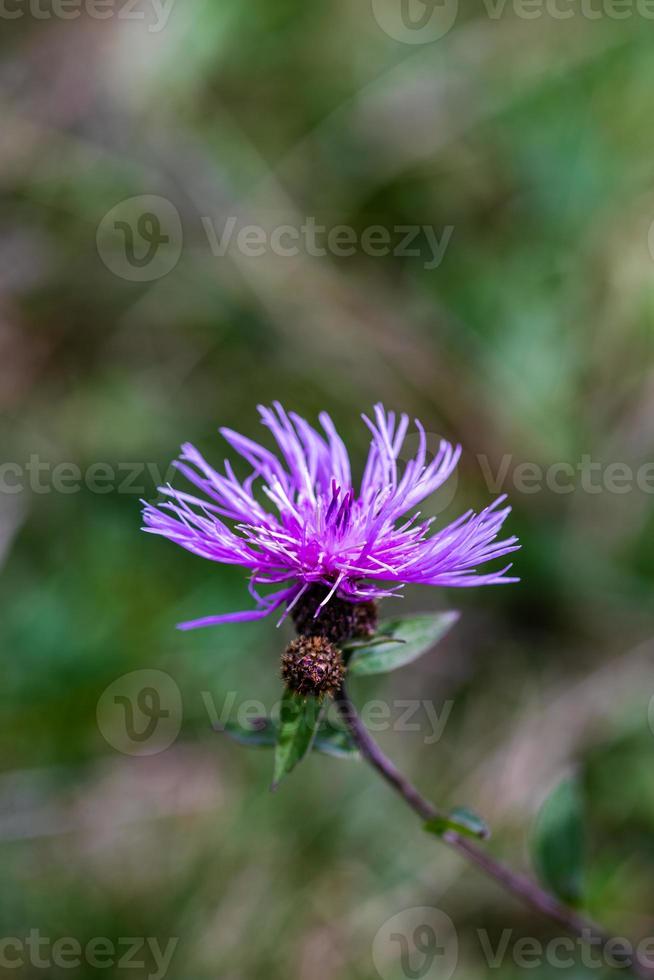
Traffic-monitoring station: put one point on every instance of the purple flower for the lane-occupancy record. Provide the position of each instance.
(309, 525)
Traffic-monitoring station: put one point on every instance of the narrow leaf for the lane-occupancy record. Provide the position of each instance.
(460, 821)
(298, 721)
(399, 642)
(558, 841)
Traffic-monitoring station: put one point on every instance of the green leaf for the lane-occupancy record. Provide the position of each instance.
(298, 720)
(262, 733)
(460, 821)
(558, 841)
(399, 642)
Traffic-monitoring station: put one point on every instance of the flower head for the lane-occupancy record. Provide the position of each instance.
(311, 527)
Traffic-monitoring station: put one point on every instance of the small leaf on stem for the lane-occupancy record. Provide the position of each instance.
(399, 642)
(461, 821)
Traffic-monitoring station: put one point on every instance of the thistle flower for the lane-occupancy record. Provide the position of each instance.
(315, 529)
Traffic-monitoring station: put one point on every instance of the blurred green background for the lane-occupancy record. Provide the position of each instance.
(529, 341)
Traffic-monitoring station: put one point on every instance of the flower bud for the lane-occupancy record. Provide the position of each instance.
(312, 665)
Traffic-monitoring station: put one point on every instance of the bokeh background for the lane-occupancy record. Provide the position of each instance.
(530, 341)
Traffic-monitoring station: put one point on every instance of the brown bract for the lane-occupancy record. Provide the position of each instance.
(338, 620)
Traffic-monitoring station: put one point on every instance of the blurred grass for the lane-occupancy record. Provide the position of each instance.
(533, 139)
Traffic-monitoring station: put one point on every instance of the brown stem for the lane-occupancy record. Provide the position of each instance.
(519, 885)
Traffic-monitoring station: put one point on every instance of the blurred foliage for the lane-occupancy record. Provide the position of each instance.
(530, 342)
